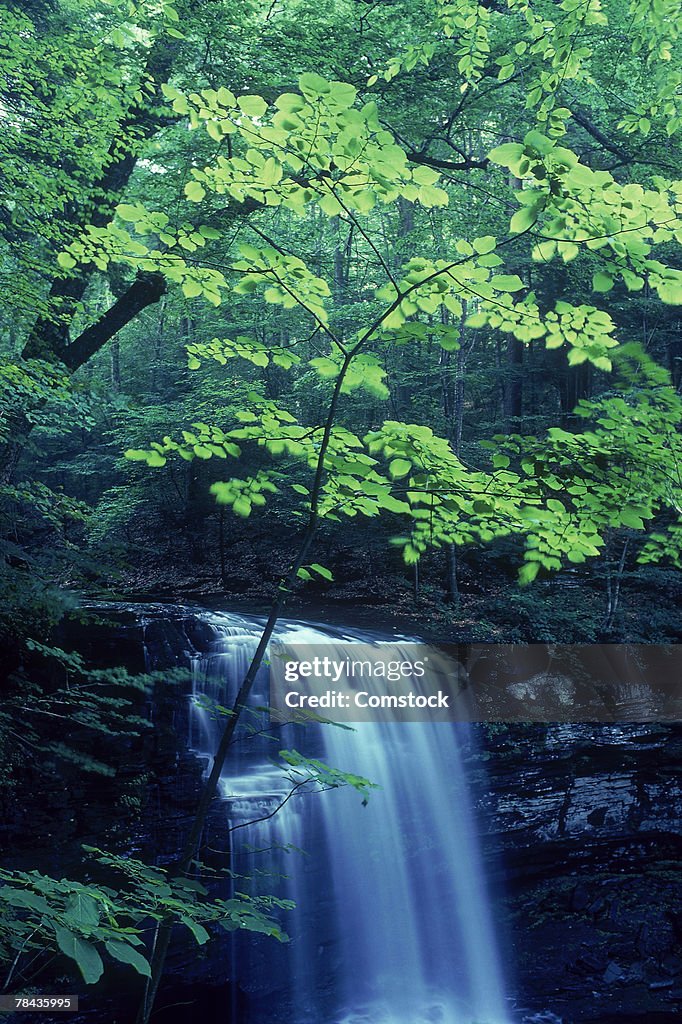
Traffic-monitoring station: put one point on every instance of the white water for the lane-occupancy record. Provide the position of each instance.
(404, 934)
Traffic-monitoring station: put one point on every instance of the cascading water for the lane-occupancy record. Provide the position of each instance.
(392, 922)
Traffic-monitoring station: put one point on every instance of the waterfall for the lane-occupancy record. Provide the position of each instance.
(392, 922)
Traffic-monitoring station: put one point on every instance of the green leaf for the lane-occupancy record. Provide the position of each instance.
(191, 288)
(528, 572)
(431, 196)
(484, 244)
(321, 570)
(523, 219)
(313, 85)
(602, 282)
(128, 212)
(252, 106)
(197, 930)
(343, 93)
(25, 898)
(399, 468)
(66, 261)
(225, 97)
(242, 507)
(84, 953)
(125, 953)
(194, 191)
(82, 910)
(629, 517)
(508, 155)
(507, 282)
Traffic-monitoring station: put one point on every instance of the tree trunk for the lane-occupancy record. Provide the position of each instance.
(452, 593)
(513, 384)
(115, 366)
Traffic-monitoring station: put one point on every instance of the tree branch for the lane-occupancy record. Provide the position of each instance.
(468, 164)
(598, 135)
(145, 291)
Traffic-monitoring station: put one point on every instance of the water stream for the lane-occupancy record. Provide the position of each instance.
(393, 922)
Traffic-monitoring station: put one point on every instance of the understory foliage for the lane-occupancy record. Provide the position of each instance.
(82, 920)
(339, 267)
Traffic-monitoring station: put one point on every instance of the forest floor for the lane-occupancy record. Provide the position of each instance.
(372, 588)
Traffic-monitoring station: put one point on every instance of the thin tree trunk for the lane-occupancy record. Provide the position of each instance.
(453, 596)
(192, 843)
(613, 586)
(115, 352)
(513, 384)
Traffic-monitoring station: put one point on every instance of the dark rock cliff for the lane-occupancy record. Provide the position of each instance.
(584, 833)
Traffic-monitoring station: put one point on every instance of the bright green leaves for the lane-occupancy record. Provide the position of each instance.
(585, 209)
(602, 282)
(511, 155)
(315, 146)
(527, 216)
(115, 244)
(468, 23)
(286, 279)
(666, 281)
(443, 500)
(429, 285)
(303, 769)
(586, 329)
(306, 572)
(561, 494)
(256, 352)
(194, 191)
(253, 106)
(612, 474)
(202, 442)
(242, 495)
(336, 94)
(507, 283)
(364, 372)
(66, 261)
(485, 244)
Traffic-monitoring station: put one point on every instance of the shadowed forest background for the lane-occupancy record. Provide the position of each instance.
(364, 309)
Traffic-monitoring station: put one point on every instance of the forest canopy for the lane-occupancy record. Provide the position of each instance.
(415, 261)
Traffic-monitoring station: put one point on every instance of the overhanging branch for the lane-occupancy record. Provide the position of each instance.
(468, 164)
(145, 291)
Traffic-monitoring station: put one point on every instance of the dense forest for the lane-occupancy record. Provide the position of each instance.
(365, 311)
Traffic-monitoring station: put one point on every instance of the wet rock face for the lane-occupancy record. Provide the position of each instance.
(584, 830)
